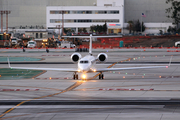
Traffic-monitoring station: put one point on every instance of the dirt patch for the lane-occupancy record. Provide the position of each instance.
(161, 41)
(137, 41)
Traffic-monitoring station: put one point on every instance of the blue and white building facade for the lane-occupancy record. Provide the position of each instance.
(75, 17)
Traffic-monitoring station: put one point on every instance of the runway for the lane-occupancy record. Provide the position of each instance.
(131, 94)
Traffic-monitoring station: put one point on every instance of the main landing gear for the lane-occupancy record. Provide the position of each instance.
(75, 76)
(101, 76)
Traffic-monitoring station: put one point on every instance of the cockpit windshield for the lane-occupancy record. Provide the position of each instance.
(31, 42)
(84, 61)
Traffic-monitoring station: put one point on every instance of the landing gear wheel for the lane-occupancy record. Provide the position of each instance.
(77, 76)
(74, 76)
(101, 76)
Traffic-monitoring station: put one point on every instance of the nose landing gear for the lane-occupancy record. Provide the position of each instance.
(101, 76)
(75, 76)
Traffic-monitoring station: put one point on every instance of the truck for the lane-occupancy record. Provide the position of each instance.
(14, 42)
(177, 44)
(67, 44)
(5, 39)
(50, 43)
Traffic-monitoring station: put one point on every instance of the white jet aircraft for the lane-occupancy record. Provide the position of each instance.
(87, 63)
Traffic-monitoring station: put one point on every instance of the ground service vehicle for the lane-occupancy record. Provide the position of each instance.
(14, 42)
(5, 39)
(67, 44)
(50, 42)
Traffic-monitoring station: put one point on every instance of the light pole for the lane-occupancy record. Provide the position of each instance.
(62, 23)
(122, 18)
(59, 27)
(4, 12)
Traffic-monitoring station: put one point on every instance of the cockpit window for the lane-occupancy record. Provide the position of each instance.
(84, 61)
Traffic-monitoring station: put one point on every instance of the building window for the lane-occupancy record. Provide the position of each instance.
(84, 20)
(85, 12)
(88, 12)
(36, 35)
(40, 35)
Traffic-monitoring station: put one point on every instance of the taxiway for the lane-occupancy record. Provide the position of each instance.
(150, 93)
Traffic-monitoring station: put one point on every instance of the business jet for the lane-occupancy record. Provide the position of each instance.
(87, 63)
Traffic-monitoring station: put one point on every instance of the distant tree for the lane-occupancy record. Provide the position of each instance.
(143, 27)
(138, 26)
(171, 29)
(174, 11)
(96, 28)
(65, 30)
(84, 30)
(135, 26)
(92, 28)
(99, 28)
(160, 32)
(80, 29)
(104, 28)
(130, 26)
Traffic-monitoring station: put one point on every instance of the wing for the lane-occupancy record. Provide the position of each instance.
(55, 69)
(128, 68)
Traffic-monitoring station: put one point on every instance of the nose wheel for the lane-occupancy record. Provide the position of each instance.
(75, 76)
(101, 76)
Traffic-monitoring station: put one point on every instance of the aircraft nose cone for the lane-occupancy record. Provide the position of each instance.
(84, 68)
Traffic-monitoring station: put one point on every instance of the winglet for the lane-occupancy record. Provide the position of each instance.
(8, 62)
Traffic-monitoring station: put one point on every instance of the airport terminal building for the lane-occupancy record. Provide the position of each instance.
(75, 17)
(46, 14)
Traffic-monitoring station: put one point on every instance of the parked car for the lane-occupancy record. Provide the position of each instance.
(177, 44)
(32, 44)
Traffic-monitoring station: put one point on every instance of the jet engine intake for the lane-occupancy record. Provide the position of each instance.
(75, 57)
(102, 57)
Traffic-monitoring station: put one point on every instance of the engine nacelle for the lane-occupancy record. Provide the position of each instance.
(75, 57)
(102, 57)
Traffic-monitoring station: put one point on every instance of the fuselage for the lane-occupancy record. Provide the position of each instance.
(86, 64)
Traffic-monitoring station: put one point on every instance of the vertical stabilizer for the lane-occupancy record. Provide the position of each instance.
(90, 45)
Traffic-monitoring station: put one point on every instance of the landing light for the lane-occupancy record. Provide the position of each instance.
(83, 76)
